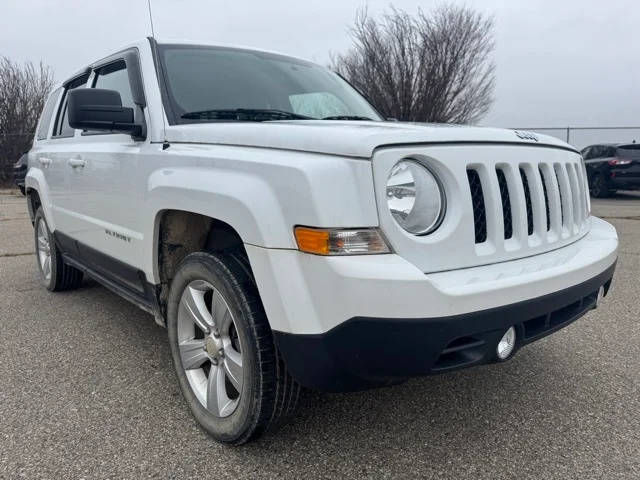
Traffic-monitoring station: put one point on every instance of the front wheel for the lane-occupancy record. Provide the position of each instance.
(228, 367)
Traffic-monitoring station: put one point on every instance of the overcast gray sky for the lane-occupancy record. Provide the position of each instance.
(559, 62)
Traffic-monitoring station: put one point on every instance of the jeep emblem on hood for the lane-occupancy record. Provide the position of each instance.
(526, 135)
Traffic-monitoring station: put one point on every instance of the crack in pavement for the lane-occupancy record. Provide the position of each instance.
(632, 217)
(21, 254)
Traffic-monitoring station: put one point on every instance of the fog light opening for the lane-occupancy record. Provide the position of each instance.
(506, 344)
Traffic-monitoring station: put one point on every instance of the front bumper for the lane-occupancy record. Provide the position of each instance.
(367, 352)
(349, 323)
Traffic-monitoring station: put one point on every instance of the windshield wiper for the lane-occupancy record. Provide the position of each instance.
(347, 117)
(245, 114)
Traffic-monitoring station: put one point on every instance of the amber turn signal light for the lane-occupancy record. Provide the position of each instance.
(327, 241)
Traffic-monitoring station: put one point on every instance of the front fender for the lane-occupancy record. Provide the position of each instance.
(241, 200)
(264, 194)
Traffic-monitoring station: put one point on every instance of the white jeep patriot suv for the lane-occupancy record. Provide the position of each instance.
(287, 235)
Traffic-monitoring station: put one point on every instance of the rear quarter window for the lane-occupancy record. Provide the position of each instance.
(47, 114)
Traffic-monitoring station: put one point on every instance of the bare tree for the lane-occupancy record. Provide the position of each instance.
(432, 67)
(23, 91)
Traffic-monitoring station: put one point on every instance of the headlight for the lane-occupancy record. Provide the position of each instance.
(415, 198)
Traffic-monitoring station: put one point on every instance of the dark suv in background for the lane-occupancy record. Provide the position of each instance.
(612, 167)
(20, 172)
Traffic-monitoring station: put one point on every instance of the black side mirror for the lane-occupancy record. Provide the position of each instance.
(98, 109)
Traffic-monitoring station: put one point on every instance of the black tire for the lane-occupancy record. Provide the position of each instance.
(269, 393)
(599, 187)
(62, 276)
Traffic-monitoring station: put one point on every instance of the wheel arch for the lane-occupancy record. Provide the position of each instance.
(37, 196)
(244, 201)
(178, 233)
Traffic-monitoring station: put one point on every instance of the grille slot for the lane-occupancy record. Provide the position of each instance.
(507, 214)
(566, 203)
(578, 193)
(479, 209)
(557, 185)
(527, 199)
(575, 197)
(546, 197)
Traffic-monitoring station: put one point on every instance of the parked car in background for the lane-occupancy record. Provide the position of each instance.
(20, 171)
(612, 167)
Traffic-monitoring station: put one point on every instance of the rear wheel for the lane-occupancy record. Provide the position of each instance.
(227, 364)
(599, 186)
(55, 275)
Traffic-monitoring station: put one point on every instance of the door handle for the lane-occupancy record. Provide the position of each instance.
(44, 161)
(76, 162)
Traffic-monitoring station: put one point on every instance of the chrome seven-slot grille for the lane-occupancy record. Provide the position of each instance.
(547, 201)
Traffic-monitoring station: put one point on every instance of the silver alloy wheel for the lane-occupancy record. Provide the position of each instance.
(210, 348)
(44, 249)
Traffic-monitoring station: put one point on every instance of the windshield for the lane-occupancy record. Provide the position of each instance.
(207, 84)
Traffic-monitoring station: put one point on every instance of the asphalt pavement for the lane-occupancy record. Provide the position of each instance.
(87, 390)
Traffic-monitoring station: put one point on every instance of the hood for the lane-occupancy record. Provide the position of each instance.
(347, 138)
